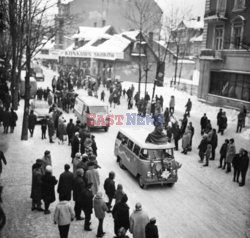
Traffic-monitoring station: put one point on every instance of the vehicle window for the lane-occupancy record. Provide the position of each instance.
(87, 110)
(144, 154)
(98, 109)
(120, 136)
(136, 149)
(130, 144)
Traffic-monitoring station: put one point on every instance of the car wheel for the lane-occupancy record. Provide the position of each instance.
(170, 185)
(120, 163)
(140, 182)
(106, 129)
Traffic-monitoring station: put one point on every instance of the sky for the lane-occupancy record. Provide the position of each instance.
(196, 6)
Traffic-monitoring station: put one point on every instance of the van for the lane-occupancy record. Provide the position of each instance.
(92, 112)
(33, 85)
(149, 163)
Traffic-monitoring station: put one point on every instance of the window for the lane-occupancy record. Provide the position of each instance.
(221, 6)
(232, 85)
(136, 149)
(239, 4)
(237, 32)
(130, 144)
(219, 34)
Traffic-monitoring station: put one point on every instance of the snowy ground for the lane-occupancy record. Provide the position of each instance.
(203, 203)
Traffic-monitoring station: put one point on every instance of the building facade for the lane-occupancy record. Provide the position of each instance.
(225, 55)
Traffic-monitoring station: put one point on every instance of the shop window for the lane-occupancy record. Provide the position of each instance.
(239, 5)
(230, 85)
(219, 35)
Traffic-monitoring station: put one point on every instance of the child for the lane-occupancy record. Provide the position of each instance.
(208, 153)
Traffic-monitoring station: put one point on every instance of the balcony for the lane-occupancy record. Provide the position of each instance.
(209, 54)
(215, 16)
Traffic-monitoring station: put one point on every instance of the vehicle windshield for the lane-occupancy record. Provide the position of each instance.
(98, 109)
(39, 104)
(156, 154)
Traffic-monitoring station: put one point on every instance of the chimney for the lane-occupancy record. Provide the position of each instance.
(95, 24)
(150, 38)
(198, 18)
(103, 23)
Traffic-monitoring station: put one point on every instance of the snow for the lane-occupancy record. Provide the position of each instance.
(203, 203)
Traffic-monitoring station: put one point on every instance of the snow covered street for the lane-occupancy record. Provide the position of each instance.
(204, 202)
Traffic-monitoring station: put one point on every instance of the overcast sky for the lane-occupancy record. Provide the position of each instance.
(196, 6)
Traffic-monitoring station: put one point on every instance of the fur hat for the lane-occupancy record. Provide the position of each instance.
(48, 169)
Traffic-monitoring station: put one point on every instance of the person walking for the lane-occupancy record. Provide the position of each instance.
(70, 131)
(31, 122)
(176, 134)
(120, 214)
(36, 186)
(76, 161)
(222, 123)
(186, 138)
(87, 206)
(119, 193)
(63, 216)
(243, 167)
(230, 154)
(6, 121)
(223, 154)
(78, 188)
(100, 208)
(202, 148)
(48, 188)
(65, 184)
(109, 187)
(61, 130)
(102, 95)
(172, 104)
(138, 221)
(219, 115)
(240, 122)
(92, 175)
(151, 230)
(191, 128)
(51, 129)
(184, 123)
(214, 143)
(235, 163)
(208, 153)
(203, 123)
(46, 160)
(13, 120)
(44, 124)
(188, 107)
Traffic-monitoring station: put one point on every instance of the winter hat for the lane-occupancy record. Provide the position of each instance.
(48, 169)
(119, 187)
(79, 172)
(153, 219)
(138, 207)
(78, 155)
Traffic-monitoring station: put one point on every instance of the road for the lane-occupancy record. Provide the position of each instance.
(203, 203)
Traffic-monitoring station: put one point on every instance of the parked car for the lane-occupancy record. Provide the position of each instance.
(40, 108)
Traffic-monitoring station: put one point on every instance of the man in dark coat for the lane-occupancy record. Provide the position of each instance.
(31, 122)
(36, 186)
(65, 184)
(214, 143)
(202, 148)
(2, 158)
(176, 134)
(236, 162)
(109, 187)
(219, 114)
(241, 118)
(70, 130)
(51, 129)
(75, 145)
(223, 153)
(222, 123)
(188, 107)
(120, 214)
(93, 145)
(13, 119)
(79, 186)
(184, 124)
(243, 167)
(151, 230)
(203, 123)
(87, 205)
(48, 188)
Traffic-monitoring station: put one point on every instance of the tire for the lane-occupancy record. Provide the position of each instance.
(119, 160)
(140, 182)
(170, 185)
(106, 129)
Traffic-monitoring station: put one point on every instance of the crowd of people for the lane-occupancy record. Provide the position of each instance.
(84, 182)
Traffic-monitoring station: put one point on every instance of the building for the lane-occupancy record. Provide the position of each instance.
(121, 14)
(102, 52)
(225, 57)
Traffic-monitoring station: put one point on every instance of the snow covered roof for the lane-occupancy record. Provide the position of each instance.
(88, 33)
(197, 38)
(193, 24)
